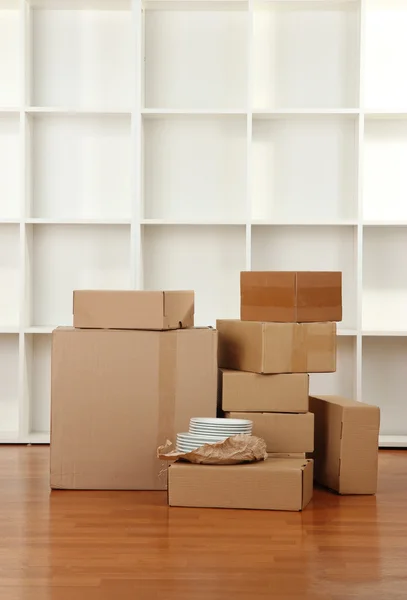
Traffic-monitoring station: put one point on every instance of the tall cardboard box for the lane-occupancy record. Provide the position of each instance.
(277, 347)
(282, 432)
(130, 309)
(291, 296)
(243, 391)
(346, 444)
(118, 395)
(273, 484)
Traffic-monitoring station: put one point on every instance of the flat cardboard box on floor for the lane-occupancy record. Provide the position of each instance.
(273, 484)
(291, 296)
(277, 347)
(129, 309)
(346, 444)
(254, 392)
(118, 395)
(282, 432)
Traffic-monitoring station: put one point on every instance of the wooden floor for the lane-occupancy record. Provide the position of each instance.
(130, 545)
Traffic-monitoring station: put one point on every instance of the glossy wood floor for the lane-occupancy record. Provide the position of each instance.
(130, 545)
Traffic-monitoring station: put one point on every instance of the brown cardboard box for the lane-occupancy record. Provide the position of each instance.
(126, 309)
(118, 395)
(291, 296)
(282, 432)
(243, 391)
(277, 347)
(287, 455)
(346, 444)
(274, 484)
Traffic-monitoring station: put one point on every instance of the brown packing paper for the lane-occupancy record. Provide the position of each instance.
(233, 451)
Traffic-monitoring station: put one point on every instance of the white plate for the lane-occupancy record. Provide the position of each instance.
(212, 432)
(220, 421)
(201, 438)
(192, 436)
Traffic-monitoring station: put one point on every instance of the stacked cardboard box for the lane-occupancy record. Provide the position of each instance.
(286, 331)
(125, 379)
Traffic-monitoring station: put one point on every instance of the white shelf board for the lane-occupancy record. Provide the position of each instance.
(305, 112)
(385, 173)
(288, 181)
(9, 275)
(79, 165)
(9, 360)
(206, 222)
(346, 332)
(213, 186)
(30, 438)
(385, 51)
(384, 279)
(305, 223)
(9, 55)
(216, 46)
(81, 4)
(208, 260)
(42, 330)
(393, 441)
(157, 113)
(305, 57)
(9, 329)
(9, 169)
(73, 221)
(343, 381)
(385, 223)
(385, 333)
(72, 111)
(196, 5)
(71, 257)
(310, 248)
(385, 381)
(93, 49)
(385, 114)
(9, 110)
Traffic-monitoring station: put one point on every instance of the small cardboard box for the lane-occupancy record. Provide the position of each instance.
(118, 395)
(126, 309)
(277, 347)
(282, 432)
(291, 296)
(243, 391)
(346, 444)
(273, 484)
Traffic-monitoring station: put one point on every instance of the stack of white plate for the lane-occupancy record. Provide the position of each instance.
(209, 431)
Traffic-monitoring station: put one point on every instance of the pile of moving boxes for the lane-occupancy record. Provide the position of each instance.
(133, 370)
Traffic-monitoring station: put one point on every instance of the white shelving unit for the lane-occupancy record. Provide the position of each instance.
(175, 143)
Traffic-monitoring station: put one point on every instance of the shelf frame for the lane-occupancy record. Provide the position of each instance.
(139, 116)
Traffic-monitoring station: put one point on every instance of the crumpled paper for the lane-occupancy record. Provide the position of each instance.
(234, 450)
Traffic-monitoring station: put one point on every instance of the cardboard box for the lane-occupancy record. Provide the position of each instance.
(126, 309)
(346, 444)
(118, 395)
(277, 347)
(274, 484)
(291, 296)
(254, 392)
(282, 432)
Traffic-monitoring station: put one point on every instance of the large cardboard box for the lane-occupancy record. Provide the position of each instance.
(254, 392)
(346, 444)
(273, 484)
(126, 309)
(291, 296)
(282, 432)
(277, 347)
(118, 395)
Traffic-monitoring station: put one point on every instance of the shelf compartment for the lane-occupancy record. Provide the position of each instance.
(38, 377)
(9, 275)
(68, 257)
(304, 169)
(9, 55)
(81, 167)
(305, 57)
(202, 258)
(384, 172)
(82, 58)
(9, 403)
(10, 166)
(310, 249)
(195, 168)
(343, 382)
(384, 381)
(384, 279)
(385, 54)
(206, 67)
